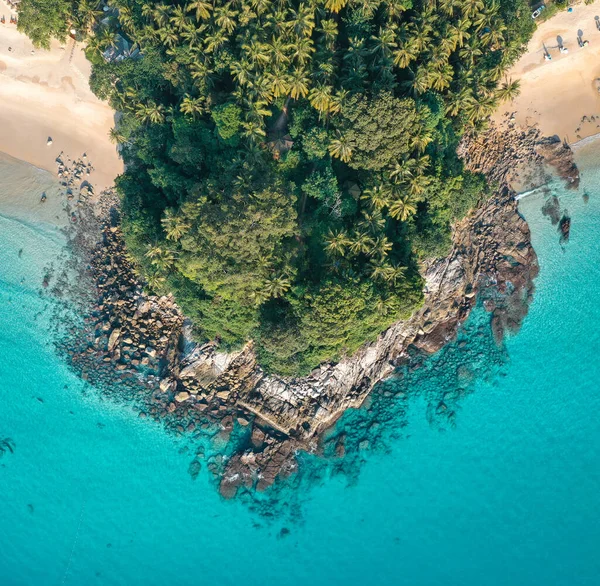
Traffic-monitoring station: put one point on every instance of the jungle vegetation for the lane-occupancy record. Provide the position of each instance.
(290, 162)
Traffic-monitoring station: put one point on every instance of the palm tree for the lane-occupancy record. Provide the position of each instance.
(241, 71)
(403, 56)
(447, 6)
(302, 50)
(404, 170)
(125, 19)
(257, 52)
(402, 208)
(253, 131)
(337, 243)
(418, 184)
(470, 53)
(420, 82)
(386, 272)
(329, 28)
(168, 36)
(460, 31)
(175, 226)
(87, 14)
(279, 48)
(155, 281)
(116, 137)
(225, 18)
(193, 35)
(420, 141)
(277, 286)
(384, 42)
(148, 11)
(378, 269)
(201, 8)
(156, 112)
(142, 113)
(201, 74)
(261, 6)
(107, 37)
(361, 243)
(341, 148)
(509, 90)
(179, 19)
(215, 41)
(441, 77)
(458, 101)
(302, 21)
(161, 14)
(191, 106)
(150, 112)
(470, 8)
(298, 84)
(94, 44)
(335, 5)
(377, 196)
(320, 98)
(153, 252)
(161, 258)
(372, 221)
(279, 84)
(381, 246)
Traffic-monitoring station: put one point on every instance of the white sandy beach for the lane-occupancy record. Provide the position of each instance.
(46, 94)
(557, 94)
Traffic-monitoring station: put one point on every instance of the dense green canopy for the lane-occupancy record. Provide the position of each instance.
(289, 162)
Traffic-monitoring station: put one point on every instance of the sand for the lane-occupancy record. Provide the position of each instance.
(556, 95)
(46, 94)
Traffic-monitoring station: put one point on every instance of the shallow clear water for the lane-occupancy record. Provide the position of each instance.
(509, 495)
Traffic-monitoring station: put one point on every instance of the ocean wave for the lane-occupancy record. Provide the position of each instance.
(534, 191)
(585, 141)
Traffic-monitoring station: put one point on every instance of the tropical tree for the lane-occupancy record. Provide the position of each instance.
(341, 148)
(338, 243)
(277, 286)
(192, 107)
(402, 208)
(201, 8)
(509, 90)
(174, 225)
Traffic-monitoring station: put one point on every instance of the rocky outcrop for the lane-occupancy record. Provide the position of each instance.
(138, 337)
(491, 250)
(509, 155)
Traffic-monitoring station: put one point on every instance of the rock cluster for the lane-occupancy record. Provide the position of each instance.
(73, 176)
(508, 154)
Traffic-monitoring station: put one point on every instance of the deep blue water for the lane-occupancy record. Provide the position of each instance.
(510, 494)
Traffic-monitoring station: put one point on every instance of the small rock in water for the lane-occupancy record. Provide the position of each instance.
(564, 228)
(194, 469)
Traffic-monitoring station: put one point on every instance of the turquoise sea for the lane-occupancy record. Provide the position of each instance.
(505, 492)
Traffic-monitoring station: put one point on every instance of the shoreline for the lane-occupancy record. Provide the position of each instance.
(130, 345)
(122, 343)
